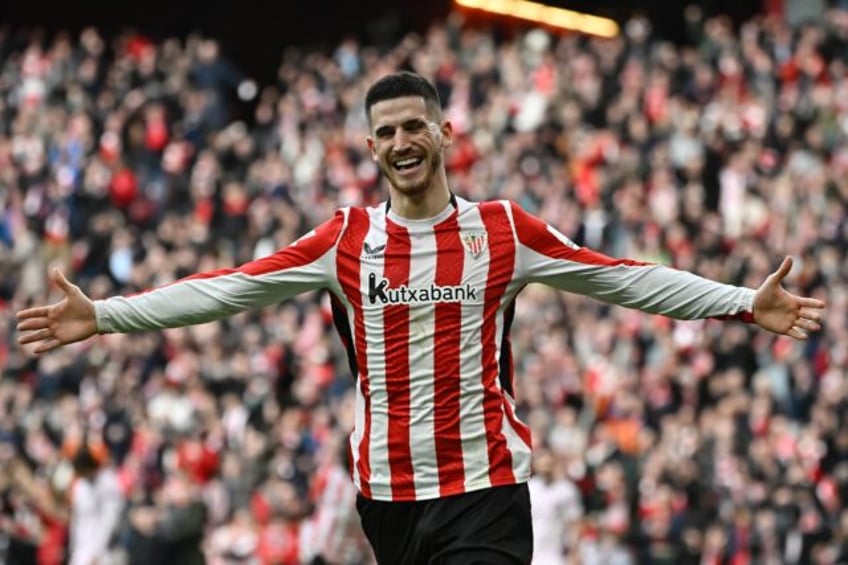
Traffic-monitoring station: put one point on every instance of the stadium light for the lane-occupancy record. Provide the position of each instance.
(546, 15)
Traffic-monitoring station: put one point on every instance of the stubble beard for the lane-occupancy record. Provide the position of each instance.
(417, 187)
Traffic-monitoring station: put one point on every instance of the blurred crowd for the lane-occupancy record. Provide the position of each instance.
(129, 162)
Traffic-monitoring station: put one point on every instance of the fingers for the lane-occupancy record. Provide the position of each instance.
(807, 322)
(798, 333)
(811, 303)
(47, 345)
(43, 344)
(34, 337)
(26, 339)
(807, 325)
(37, 312)
(809, 318)
(31, 324)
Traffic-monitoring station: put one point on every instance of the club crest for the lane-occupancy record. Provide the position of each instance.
(475, 243)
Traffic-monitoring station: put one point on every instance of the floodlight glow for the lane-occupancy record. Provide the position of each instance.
(546, 15)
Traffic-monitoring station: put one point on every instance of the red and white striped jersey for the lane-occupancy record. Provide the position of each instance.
(424, 308)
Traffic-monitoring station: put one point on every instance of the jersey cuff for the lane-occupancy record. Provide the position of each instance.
(101, 318)
(746, 311)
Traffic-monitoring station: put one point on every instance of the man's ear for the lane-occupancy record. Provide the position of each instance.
(446, 130)
(371, 147)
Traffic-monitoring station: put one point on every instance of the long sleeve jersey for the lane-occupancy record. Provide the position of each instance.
(424, 308)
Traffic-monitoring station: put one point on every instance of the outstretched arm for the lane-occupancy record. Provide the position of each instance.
(547, 256)
(69, 320)
(781, 312)
(304, 265)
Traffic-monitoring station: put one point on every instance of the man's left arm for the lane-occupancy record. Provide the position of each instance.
(549, 257)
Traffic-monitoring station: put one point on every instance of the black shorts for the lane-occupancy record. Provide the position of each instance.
(490, 526)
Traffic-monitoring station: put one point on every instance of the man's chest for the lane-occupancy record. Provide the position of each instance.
(420, 268)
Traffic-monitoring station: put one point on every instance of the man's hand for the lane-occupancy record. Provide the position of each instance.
(69, 320)
(781, 312)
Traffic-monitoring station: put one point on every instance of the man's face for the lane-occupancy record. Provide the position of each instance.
(406, 142)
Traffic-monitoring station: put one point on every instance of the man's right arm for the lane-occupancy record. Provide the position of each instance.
(304, 265)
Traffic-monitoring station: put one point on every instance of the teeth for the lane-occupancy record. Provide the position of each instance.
(407, 162)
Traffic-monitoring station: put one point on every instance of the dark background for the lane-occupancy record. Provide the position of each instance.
(254, 33)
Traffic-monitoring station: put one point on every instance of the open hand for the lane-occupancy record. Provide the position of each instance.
(69, 320)
(781, 312)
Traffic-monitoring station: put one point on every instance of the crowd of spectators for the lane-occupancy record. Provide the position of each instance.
(657, 441)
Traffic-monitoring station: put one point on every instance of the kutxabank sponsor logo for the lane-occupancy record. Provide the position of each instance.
(379, 290)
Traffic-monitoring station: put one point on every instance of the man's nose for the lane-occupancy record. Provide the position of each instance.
(401, 140)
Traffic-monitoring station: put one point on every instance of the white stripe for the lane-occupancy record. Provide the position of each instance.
(652, 288)
(376, 362)
(521, 456)
(472, 420)
(422, 318)
(202, 300)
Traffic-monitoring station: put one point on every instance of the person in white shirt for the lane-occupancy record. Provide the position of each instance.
(556, 509)
(96, 506)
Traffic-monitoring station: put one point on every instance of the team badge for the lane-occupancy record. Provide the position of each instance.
(475, 243)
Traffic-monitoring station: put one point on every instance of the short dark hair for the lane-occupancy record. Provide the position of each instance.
(403, 83)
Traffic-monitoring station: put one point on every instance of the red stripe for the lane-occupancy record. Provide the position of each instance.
(396, 340)
(347, 267)
(449, 264)
(501, 266)
(534, 233)
(304, 251)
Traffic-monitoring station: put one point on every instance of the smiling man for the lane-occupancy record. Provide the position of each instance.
(423, 287)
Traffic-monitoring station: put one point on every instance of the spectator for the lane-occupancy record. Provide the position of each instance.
(332, 534)
(96, 507)
(557, 509)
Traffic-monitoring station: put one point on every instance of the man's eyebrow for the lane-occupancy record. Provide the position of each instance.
(411, 122)
(384, 129)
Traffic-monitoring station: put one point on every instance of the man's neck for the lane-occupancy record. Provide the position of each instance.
(421, 206)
